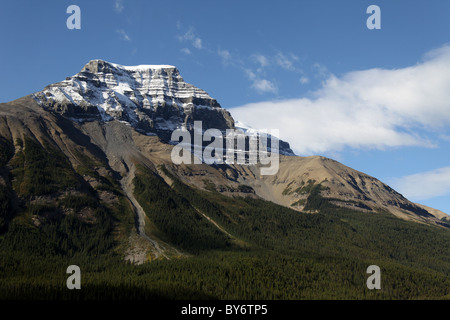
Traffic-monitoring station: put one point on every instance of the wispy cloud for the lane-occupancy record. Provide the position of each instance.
(264, 86)
(191, 37)
(259, 65)
(254, 66)
(320, 71)
(186, 51)
(304, 80)
(286, 61)
(225, 55)
(118, 6)
(444, 137)
(197, 43)
(250, 74)
(261, 59)
(123, 35)
(424, 185)
(375, 108)
(259, 84)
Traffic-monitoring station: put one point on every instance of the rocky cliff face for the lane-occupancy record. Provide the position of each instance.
(151, 98)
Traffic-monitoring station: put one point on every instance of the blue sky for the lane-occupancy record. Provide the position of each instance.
(375, 100)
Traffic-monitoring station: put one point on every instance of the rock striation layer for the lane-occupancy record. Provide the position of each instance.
(152, 98)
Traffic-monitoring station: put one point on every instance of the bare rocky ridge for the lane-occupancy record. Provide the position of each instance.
(437, 213)
(344, 187)
(153, 99)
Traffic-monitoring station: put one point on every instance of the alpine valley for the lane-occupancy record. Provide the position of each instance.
(86, 179)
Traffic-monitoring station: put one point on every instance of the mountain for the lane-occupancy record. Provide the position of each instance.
(86, 171)
(123, 114)
(154, 99)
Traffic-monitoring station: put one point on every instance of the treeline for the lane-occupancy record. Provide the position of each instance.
(231, 275)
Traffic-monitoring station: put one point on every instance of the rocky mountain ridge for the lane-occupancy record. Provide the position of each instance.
(152, 98)
(68, 116)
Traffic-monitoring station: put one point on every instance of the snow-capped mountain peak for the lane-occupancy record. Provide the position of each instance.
(152, 98)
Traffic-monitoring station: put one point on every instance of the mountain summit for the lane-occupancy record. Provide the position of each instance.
(152, 98)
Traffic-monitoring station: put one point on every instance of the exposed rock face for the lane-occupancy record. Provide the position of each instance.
(341, 185)
(152, 98)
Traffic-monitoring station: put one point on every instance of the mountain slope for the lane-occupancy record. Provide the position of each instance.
(344, 186)
(95, 191)
(100, 152)
(110, 143)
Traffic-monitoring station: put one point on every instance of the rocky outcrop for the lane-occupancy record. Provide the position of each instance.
(151, 98)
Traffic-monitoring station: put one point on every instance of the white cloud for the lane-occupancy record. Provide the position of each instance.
(191, 37)
(304, 80)
(286, 62)
(320, 71)
(259, 84)
(375, 108)
(264, 85)
(118, 6)
(424, 185)
(261, 59)
(197, 43)
(225, 55)
(186, 51)
(250, 74)
(258, 76)
(123, 35)
(444, 137)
